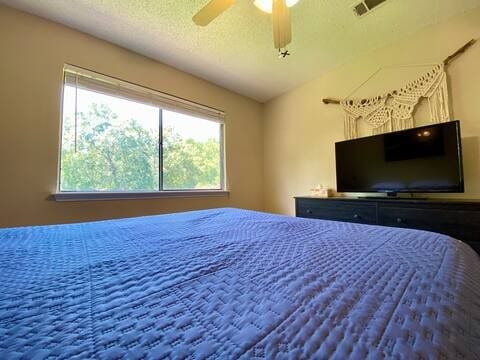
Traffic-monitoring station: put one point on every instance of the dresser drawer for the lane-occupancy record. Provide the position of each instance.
(337, 210)
(468, 222)
(462, 225)
(418, 218)
(456, 218)
(475, 246)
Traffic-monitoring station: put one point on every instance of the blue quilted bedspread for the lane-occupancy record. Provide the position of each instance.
(229, 283)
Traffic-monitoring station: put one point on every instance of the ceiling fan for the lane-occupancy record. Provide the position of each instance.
(282, 28)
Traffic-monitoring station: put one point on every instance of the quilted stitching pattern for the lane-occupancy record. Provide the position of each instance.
(238, 284)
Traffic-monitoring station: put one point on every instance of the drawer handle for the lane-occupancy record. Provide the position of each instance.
(356, 216)
(399, 220)
(309, 211)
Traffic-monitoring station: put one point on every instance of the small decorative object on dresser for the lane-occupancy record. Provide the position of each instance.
(320, 191)
(457, 218)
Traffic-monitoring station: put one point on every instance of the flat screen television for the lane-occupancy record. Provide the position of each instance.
(424, 159)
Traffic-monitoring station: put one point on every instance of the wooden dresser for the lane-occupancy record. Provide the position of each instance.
(457, 218)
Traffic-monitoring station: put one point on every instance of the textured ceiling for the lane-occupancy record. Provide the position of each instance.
(236, 50)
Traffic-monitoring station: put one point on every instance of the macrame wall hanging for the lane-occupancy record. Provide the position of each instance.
(393, 110)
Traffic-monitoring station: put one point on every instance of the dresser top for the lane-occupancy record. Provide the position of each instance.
(398, 200)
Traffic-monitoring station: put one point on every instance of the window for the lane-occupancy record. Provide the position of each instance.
(120, 137)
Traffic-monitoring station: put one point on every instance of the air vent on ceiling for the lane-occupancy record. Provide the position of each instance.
(366, 6)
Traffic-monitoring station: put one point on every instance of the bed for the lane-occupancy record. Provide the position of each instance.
(231, 283)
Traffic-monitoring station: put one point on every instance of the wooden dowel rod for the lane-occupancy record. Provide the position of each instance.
(445, 62)
(459, 51)
(331, 101)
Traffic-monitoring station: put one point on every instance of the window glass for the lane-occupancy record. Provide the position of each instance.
(191, 152)
(113, 144)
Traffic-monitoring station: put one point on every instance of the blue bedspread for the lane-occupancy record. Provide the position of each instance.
(229, 283)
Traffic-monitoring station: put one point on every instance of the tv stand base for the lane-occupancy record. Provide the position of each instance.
(391, 198)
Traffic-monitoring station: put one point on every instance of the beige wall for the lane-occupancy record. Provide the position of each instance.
(295, 132)
(300, 131)
(32, 54)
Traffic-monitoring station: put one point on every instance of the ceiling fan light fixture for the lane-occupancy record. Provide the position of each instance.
(267, 5)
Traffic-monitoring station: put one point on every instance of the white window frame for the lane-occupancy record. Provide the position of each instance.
(112, 86)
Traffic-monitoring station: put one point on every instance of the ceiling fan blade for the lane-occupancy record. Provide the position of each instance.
(282, 27)
(210, 11)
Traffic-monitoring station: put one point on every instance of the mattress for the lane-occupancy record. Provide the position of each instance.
(230, 283)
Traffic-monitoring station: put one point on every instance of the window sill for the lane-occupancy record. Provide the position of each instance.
(92, 196)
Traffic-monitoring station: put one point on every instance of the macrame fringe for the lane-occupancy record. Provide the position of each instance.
(438, 103)
(387, 127)
(350, 126)
(386, 116)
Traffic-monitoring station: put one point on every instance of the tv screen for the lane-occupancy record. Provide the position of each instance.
(423, 159)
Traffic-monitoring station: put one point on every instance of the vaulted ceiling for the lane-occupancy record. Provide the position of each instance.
(236, 50)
